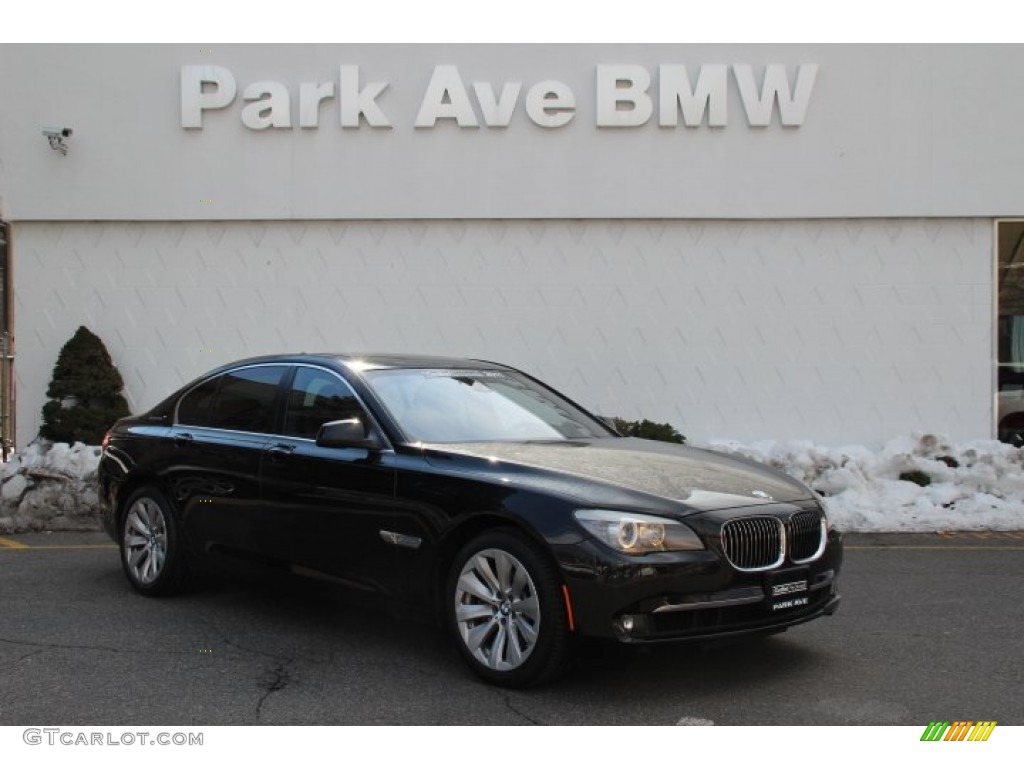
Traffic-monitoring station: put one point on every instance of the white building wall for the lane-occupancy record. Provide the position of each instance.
(890, 131)
(835, 330)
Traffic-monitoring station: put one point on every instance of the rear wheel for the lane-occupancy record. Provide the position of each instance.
(505, 609)
(151, 549)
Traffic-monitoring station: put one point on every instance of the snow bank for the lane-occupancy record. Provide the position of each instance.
(50, 486)
(74, 461)
(974, 486)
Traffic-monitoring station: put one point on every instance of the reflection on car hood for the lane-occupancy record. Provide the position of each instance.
(703, 480)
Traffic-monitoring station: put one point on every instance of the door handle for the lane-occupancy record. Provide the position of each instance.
(280, 451)
(181, 439)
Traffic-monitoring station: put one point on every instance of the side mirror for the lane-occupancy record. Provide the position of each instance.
(346, 433)
(609, 422)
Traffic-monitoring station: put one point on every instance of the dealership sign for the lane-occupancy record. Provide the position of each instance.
(625, 96)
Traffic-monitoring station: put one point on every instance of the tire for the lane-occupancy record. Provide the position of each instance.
(152, 553)
(1011, 430)
(503, 605)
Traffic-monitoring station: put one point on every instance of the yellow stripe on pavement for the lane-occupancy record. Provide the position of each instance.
(12, 544)
(981, 534)
(77, 546)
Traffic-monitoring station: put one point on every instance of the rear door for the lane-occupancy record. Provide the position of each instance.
(221, 429)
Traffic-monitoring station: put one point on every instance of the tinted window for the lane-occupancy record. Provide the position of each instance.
(317, 397)
(194, 408)
(245, 399)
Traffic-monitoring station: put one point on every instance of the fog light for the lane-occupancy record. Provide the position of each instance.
(631, 627)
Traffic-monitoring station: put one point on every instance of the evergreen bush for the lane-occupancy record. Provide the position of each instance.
(85, 392)
(649, 430)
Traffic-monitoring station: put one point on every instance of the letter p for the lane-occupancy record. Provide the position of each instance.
(195, 97)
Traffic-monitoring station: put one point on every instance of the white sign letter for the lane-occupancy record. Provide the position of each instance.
(355, 102)
(497, 112)
(550, 104)
(622, 85)
(310, 96)
(710, 93)
(270, 106)
(792, 110)
(194, 99)
(444, 84)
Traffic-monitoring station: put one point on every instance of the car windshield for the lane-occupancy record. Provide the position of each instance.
(459, 406)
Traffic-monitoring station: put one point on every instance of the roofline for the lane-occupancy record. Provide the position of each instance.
(370, 359)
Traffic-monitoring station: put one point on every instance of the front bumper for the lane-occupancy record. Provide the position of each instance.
(692, 595)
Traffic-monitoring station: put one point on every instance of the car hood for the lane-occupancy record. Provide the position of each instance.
(702, 480)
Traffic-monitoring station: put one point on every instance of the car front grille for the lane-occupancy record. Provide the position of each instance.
(763, 542)
(754, 543)
(806, 536)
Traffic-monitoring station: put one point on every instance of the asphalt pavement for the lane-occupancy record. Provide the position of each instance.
(931, 628)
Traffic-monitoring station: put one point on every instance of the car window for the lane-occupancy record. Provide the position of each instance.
(194, 408)
(245, 399)
(452, 406)
(316, 397)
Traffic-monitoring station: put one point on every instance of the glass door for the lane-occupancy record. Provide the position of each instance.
(1010, 332)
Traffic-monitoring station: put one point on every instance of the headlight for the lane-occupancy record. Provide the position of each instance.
(635, 534)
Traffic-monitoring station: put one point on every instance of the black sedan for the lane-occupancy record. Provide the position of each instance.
(467, 492)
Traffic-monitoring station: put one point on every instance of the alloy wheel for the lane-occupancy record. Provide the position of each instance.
(145, 540)
(497, 612)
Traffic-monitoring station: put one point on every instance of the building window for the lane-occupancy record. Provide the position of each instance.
(1010, 332)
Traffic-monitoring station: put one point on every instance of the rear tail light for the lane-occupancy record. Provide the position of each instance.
(106, 441)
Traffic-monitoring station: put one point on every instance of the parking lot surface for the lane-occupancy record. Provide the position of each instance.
(930, 629)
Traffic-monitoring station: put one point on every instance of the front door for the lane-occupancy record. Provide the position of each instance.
(329, 505)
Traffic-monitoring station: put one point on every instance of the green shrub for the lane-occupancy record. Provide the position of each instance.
(916, 476)
(85, 392)
(649, 430)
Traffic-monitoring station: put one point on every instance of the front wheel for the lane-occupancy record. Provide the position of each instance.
(505, 609)
(151, 548)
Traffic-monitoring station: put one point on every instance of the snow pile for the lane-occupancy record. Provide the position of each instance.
(78, 460)
(973, 486)
(50, 486)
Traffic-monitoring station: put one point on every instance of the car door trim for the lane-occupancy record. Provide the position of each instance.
(289, 377)
(401, 539)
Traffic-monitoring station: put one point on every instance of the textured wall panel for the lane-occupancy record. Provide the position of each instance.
(838, 331)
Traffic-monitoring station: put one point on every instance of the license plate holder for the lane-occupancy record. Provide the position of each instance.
(787, 589)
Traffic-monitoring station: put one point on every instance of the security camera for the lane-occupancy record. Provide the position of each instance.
(56, 138)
